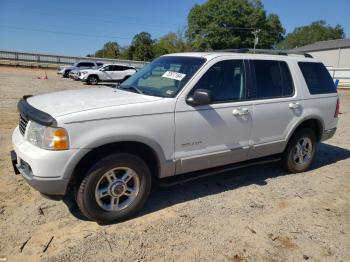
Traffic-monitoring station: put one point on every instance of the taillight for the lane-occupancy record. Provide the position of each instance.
(337, 109)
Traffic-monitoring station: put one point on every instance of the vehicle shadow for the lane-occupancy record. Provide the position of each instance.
(163, 197)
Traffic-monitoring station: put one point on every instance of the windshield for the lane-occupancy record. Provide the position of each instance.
(165, 76)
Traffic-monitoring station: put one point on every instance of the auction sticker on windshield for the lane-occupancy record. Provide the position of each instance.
(174, 75)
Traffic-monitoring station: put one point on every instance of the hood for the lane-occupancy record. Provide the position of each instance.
(73, 101)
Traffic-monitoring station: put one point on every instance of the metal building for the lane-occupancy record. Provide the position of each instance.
(335, 54)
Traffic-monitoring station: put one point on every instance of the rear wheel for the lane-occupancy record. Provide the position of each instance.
(300, 151)
(92, 80)
(114, 189)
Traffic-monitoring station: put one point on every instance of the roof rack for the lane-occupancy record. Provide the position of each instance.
(265, 51)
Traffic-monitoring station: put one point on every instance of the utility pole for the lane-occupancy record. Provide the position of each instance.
(256, 37)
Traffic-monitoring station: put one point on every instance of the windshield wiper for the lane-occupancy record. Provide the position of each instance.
(131, 88)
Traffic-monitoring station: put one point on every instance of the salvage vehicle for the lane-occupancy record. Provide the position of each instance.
(181, 117)
(65, 70)
(106, 73)
(75, 74)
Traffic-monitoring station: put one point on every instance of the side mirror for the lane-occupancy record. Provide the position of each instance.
(200, 97)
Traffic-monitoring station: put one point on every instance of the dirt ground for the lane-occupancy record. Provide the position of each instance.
(253, 214)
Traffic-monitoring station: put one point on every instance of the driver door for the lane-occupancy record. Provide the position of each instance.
(218, 133)
(107, 73)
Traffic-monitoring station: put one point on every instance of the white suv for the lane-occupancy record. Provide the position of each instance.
(181, 117)
(106, 73)
(65, 70)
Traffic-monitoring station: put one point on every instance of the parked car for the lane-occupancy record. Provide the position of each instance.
(106, 73)
(182, 116)
(65, 70)
(75, 74)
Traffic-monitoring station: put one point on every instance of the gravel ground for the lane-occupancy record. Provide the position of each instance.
(252, 214)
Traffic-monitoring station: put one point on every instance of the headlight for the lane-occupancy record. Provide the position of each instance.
(51, 138)
(84, 72)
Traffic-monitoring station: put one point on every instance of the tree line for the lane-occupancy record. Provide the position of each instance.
(223, 24)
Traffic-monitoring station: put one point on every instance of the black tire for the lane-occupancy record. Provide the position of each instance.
(92, 80)
(85, 195)
(66, 74)
(288, 161)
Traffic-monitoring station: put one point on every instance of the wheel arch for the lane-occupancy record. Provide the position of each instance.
(94, 74)
(152, 157)
(313, 122)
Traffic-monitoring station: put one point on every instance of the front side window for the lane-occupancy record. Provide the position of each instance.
(118, 68)
(225, 80)
(107, 68)
(317, 78)
(165, 76)
(272, 79)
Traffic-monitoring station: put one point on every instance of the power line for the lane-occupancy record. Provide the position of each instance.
(64, 32)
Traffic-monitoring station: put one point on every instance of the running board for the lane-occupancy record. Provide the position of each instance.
(184, 178)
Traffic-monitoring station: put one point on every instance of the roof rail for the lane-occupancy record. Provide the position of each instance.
(265, 51)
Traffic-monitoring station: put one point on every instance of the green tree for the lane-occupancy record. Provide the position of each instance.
(109, 50)
(316, 31)
(141, 47)
(171, 43)
(222, 24)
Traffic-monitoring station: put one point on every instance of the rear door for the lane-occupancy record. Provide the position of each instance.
(118, 72)
(277, 106)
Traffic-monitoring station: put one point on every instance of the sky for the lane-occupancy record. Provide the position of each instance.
(79, 28)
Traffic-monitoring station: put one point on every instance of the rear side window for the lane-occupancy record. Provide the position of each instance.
(317, 78)
(272, 79)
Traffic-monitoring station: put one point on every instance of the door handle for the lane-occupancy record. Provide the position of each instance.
(240, 112)
(293, 105)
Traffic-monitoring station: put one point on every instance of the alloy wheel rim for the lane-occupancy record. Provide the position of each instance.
(117, 189)
(302, 151)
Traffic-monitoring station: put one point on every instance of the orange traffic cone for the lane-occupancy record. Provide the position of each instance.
(43, 77)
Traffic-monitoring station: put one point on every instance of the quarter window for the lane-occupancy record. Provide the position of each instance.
(272, 79)
(317, 78)
(225, 80)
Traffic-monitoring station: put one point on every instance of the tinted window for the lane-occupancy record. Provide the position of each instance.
(108, 68)
(225, 80)
(272, 79)
(288, 87)
(99, 64)
(118, 68)
(317, 78)
(85, 64)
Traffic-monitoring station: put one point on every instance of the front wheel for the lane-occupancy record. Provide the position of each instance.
(114, 189)
(66, 74)
(300, 151)
(92, 80)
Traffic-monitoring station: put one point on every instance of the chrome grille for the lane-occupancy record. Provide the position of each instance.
(22, 124)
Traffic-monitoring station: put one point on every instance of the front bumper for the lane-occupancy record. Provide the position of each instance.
(83, 78)
(45, 186)
(43, 169)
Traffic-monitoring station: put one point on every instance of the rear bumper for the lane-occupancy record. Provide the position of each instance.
(329, 133)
